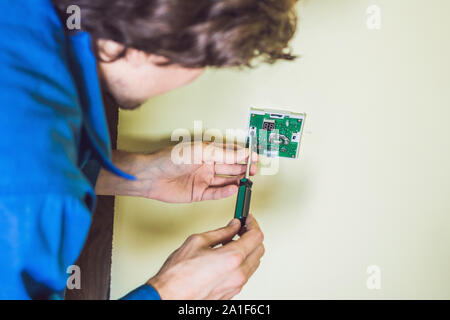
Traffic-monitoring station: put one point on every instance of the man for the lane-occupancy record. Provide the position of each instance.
(55, 150)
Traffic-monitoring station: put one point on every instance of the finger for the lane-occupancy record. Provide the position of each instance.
(217, 236)
(229, 295)
(247, 269)
(249, 241)
(218, 153)
(242, 156)
(230, 169)
(255, 157)
(227, 154)
(251, 223)
(253, 260)
(235, 169)
(217, 193)
(224, 243)
(253, 169)
(219, 181)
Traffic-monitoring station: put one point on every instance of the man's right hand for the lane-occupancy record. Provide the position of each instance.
(200, 270)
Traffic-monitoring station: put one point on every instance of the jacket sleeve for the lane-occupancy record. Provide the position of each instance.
(144, 292)
(41, 235)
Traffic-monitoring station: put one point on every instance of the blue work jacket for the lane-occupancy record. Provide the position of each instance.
(52, 123)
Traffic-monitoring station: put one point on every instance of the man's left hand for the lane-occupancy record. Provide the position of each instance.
(211, 173)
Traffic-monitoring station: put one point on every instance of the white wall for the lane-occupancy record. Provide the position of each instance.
(372, 185)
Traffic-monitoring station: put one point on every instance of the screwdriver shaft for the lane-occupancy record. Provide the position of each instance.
(249, 161)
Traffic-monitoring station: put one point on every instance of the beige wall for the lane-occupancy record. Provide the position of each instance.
(372, 185)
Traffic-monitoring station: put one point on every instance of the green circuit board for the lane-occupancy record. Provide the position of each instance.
(278, 133)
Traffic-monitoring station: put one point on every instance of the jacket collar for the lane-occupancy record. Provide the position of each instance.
(84, 65)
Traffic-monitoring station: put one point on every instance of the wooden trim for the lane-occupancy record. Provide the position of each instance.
(95, 258)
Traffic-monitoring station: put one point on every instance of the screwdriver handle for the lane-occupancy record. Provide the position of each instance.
(243, 200)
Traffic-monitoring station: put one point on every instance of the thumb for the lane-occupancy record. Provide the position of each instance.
(224, 234)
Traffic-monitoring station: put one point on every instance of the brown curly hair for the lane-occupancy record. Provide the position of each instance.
(194, 33)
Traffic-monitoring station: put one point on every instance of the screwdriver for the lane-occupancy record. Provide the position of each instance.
(245, 189)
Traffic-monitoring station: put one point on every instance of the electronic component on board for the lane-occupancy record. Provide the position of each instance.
(277, 133)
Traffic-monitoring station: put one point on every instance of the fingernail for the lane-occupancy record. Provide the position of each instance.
(233, 222)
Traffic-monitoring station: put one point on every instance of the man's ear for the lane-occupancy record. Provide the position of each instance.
(138, 58)
(157, 60)
(109, 50)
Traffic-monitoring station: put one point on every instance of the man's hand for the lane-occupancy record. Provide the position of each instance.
(200, 270)
(216, 176)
